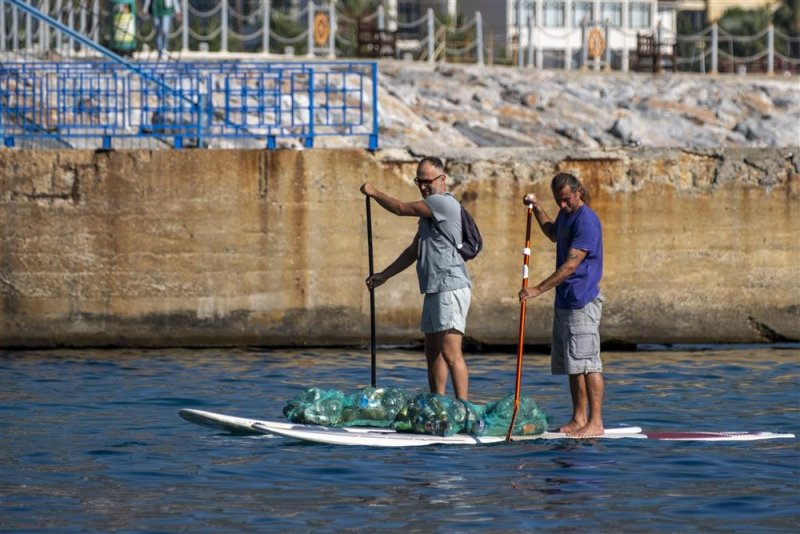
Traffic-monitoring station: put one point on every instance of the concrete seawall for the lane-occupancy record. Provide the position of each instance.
(191, 248)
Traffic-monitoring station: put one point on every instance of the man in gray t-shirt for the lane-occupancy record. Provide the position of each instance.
(442, 275)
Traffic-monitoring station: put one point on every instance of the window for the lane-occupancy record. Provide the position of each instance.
(581, 10)
(611, 11)
(639, 15)
(528, 12)
(553, 14)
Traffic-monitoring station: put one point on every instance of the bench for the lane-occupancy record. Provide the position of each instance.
(652, 56)
(375, 42)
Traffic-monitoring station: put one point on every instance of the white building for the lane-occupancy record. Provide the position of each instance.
(552, 31)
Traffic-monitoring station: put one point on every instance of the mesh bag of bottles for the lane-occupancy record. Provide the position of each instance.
(429, 413)
(425, 413)
(373, 407)
(316, 406)
(331, 407)
(529, 422)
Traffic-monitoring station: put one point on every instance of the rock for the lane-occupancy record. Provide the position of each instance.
(511, 95)
(579, 136)
(489, 137)
(621, 129)
(756, 133)
(562, 109)
(529, 100)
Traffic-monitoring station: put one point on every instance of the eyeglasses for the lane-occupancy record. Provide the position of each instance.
(420, 182)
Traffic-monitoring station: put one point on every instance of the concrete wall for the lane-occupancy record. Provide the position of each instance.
(201, 247)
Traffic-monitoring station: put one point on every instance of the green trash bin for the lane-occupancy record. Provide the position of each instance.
(123, 26)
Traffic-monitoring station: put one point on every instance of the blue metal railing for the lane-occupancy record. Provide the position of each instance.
(189, 102)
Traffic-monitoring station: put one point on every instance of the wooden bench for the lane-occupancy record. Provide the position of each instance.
(374, 42)
(652, 56)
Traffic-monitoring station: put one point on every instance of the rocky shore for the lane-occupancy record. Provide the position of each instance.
(436, 108)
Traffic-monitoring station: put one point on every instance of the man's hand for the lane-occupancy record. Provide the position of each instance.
(368, 189)
(528, 293)
(375, 280)
(530, 199)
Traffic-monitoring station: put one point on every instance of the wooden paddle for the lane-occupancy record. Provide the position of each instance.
(526, 254)
(371, 296)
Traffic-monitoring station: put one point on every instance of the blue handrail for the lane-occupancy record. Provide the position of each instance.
(192, 103)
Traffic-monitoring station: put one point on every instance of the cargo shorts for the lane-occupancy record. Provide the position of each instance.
(576, 340)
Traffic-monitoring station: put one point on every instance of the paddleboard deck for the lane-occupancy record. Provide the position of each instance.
(337, 436)
(386, 437)
(241, 425)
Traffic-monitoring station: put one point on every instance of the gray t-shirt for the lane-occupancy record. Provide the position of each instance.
(439, 265)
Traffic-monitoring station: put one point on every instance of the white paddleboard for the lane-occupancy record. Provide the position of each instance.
(241, 425)
(386, 437)
(336, 436)
(341, 436)
(715, 436)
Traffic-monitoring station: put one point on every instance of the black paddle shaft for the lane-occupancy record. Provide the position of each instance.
(371, 296)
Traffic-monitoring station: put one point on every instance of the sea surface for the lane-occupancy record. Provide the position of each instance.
(91, 441)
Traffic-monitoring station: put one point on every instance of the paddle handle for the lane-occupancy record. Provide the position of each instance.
(371, 296)
(526, 254)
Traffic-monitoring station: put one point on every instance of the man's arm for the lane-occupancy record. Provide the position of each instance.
(416, 208)
(546, 224)
(574, 258)
(405, 260)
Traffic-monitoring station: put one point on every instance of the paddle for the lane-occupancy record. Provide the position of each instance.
(371, 295)
(526, 253)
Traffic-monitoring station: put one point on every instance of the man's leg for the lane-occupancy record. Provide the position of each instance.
(577, 390)
(579, 340)
(158, 22)
(444, 355)
(166, 27)
(437, 367)
(595, 390)
(559, 365)
(454, 357)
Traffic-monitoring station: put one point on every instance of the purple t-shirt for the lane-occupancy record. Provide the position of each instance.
(580, 230)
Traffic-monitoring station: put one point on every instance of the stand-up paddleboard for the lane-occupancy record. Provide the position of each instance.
(338, 436)
(387, 437)
(241, 425)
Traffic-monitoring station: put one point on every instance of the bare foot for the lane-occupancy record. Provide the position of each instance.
(570, 427)
(589, 430)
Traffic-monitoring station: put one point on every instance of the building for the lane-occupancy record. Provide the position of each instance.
(552, 33)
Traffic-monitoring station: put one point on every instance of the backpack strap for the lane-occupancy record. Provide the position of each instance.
(445, 234)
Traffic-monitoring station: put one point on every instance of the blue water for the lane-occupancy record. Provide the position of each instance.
(92, 442)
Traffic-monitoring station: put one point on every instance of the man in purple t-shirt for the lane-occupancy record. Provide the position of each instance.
(579, 267)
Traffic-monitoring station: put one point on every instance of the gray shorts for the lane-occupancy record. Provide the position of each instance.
(576, 340)
(446, 310)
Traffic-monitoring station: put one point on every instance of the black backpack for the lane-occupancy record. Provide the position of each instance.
(471, 240)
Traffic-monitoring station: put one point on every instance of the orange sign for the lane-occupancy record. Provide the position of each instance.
(596, 43)
(322, 29)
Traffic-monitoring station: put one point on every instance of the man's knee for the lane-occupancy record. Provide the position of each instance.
(451, 347)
